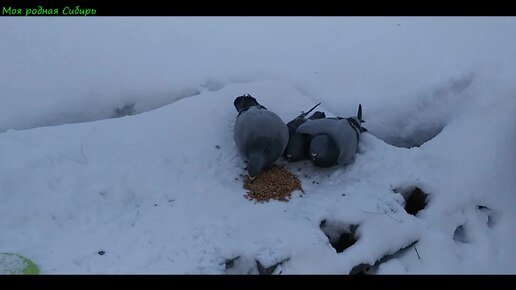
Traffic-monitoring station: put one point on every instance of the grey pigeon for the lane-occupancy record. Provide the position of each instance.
(333, 140)
(260, 135)
(298, 144)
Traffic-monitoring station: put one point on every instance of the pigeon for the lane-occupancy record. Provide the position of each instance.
(334, 141)
(298, 144)
(260, 135)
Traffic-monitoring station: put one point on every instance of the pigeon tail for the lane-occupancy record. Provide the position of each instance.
(304, 114)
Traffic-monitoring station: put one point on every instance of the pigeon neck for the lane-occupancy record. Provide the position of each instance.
(247, 108)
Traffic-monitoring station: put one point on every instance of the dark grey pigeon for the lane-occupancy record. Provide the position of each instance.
(260, 135)
(298, 144)
(334, 141)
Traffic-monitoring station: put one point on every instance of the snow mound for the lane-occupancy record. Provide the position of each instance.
(159, 192)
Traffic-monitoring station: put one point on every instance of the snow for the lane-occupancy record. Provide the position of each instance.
(154, 192)
(11, 264)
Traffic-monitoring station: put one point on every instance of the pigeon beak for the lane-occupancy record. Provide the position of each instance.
(289, 156)
(252, 178)
(313, 155)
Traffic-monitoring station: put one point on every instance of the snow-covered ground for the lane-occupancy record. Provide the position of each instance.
(153, 193)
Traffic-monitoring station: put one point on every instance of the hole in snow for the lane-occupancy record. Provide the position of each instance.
(415, 199)
(126, 110)
(417, 136)
(341, 236)
(423, 116)
(406, 134)
(230, 263)
(361, 269)
(364, 268)
(239, 265)
(264, 270)
(244, 265)
(460, 234)
(489, 213)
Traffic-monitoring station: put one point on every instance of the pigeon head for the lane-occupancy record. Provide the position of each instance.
(260, 156)
(297, 147)
(323, 151)
(244, 102)
(256, 164)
